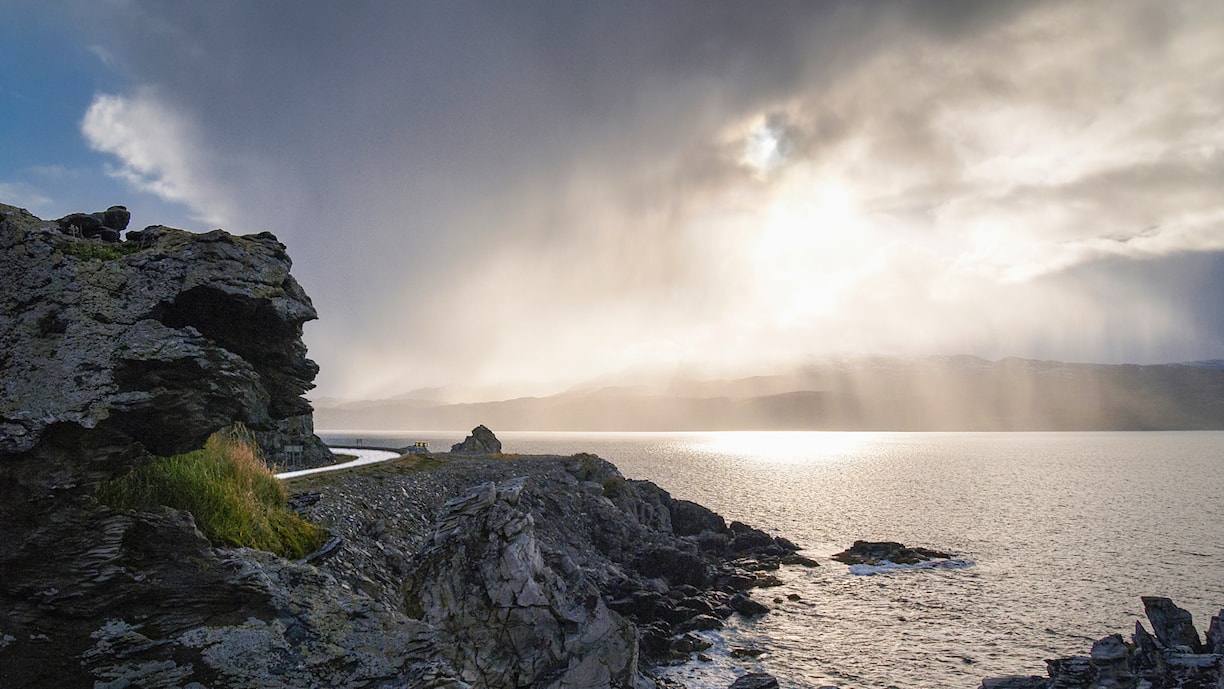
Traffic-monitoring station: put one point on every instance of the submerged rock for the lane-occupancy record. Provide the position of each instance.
(755, 680)
(480, 443)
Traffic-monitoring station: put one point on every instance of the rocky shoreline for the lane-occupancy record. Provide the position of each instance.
(1171, 656)
(618, 561)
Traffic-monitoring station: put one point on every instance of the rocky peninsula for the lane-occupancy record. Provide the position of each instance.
(474, 569)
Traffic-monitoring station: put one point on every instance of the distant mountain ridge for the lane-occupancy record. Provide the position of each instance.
(948, 393)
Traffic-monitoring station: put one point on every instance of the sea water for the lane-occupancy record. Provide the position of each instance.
(1061, 534)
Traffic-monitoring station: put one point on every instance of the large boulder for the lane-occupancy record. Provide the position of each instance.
(504, 617)
(157, 342)
(480, 443)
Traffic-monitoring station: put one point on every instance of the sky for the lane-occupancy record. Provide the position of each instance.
(514, 197)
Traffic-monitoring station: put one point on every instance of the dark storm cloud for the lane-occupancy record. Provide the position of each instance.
(569, 179)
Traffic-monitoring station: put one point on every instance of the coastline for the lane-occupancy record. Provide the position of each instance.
(670, 567)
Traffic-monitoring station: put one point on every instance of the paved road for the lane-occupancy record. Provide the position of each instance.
(364, 456)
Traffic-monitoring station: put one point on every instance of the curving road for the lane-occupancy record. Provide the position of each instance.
(363, 457)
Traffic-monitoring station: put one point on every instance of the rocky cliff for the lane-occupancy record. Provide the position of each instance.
(443, 571)
(109, 349)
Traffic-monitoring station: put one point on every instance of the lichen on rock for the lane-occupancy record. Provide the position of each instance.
(161, 344)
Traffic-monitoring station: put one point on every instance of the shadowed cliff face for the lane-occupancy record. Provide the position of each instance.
(159, 340)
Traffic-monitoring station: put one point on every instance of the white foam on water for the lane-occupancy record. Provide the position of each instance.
(888, 566)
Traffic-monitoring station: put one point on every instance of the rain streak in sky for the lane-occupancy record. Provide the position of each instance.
(522, 196)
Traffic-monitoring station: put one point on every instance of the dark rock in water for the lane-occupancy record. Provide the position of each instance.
(481, 442)
(1173, 626)
(1016, 682)
(1147, 648)
(1153, 662)
(1215, 634)
(746, 606)
(755, 680)
(877, 552)
(700, 623)
(1070, 673)
(690, 519)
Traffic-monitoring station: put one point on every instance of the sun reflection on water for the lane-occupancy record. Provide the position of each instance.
(786, 447)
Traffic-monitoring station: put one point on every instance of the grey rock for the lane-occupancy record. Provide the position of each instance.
(480, 443)
(504, 617)
(1075, 672)
(141, 599)
(161, 345)
(1015, 682)
(1149, 662)
(875, 552)
(292, 444)
(1215, 634)
(1111, 659)
(755, 680)
(1174, 627)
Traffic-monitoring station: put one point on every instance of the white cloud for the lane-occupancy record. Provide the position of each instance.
(159, 151)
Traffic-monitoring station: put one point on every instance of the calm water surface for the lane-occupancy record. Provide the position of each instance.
(1067, 530)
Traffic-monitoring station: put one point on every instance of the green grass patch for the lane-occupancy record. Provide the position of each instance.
(235, 499)
(89, 250)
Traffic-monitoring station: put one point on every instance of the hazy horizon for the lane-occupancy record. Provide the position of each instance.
(528, 196)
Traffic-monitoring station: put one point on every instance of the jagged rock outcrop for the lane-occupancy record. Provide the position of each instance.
(105, 225)
(141, 599)
(1175, 658)
(504, 617)
(110, 350)
(160, 340)
(481, 442)
(586, 522)
(292, 444)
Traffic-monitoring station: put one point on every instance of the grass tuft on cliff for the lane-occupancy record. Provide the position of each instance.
(234, 497)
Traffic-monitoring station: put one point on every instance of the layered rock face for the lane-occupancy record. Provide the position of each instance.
(157, 341)
(292, 444)
(508, 619)
(109, 350)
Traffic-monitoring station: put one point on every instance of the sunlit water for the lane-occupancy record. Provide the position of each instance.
(1066, 531)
